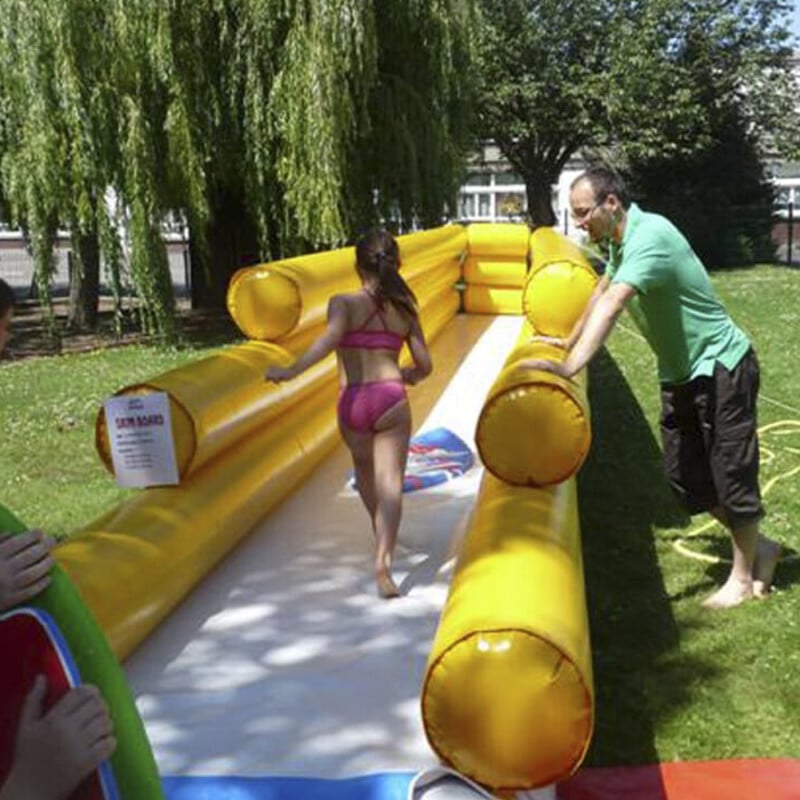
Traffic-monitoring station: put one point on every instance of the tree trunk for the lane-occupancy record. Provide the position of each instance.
(232, 243)
(84, 282)
(540, 202)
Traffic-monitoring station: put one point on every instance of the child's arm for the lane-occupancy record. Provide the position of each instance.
(323, 346)
(419, 353)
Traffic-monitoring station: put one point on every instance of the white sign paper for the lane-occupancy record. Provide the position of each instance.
(140, 433)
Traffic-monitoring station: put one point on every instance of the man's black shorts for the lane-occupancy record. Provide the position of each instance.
(709, 433)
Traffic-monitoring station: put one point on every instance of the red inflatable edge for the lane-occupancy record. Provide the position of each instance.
(772, 778)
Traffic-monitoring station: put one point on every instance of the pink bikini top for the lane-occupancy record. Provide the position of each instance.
(364, 339)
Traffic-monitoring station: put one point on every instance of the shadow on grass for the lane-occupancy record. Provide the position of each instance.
(639, 674)
(30, 335)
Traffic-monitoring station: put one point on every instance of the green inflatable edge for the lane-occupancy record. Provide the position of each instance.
(133, 762)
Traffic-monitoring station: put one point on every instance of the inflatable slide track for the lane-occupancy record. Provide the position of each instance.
(241, 602)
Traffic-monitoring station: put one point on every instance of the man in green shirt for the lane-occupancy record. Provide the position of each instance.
(707, 369)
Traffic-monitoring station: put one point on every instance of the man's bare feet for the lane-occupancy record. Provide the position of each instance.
(768, 553)
(387, 588)
(732, 593)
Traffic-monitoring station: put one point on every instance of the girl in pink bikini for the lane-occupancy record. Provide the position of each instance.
(367, 330)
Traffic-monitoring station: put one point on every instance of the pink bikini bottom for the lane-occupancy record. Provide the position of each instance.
(361, 405)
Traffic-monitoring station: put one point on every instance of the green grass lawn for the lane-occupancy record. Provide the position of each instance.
(673, 681)
(50, 473)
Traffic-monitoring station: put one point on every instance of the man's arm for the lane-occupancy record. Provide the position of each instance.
(568, 342)
(598, 325)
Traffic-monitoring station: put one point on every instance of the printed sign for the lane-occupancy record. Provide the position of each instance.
(140, 433)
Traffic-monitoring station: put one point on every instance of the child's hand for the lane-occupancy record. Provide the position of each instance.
(74, 737)
(25, 564)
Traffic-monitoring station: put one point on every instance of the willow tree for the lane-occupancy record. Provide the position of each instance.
(30, 152)
(265, 129)
(268, 127)
(291, 119)
(262, 103)
(408, 159)
(58, 139)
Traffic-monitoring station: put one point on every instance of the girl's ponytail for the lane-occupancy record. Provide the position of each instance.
(377, 254)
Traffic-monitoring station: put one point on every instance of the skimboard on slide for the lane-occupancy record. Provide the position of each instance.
(434, 457)
(56, 635)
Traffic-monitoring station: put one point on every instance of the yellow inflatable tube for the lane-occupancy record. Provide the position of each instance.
(447, 248)
(495, 268)
(507, 697)
(219, 399)
(272, 301)
(433, 281)
(216, 400)
(498, 241)
(268, 301)
(135, 564)
(448, 239)
(480, 299)
(438, 311)
(559, 284)
(497, 255)
(534, 428)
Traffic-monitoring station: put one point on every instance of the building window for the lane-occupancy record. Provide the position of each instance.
(478, 179)
(466, 206)
(508, 179)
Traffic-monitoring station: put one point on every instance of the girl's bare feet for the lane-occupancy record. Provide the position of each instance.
(387, 588)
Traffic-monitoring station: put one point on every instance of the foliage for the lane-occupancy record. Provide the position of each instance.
(57, 124)
(626, 77)
(542, 65)
(735, 56)
(279, 122)
(407, 164)
(719, 198)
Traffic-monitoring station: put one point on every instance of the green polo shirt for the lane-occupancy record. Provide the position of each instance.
(675, 308)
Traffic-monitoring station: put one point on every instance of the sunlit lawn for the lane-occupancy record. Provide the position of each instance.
(673, 680)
